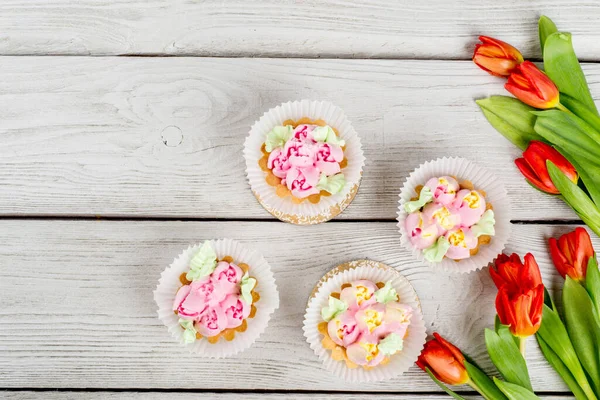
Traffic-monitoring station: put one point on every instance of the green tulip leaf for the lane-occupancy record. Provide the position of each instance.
(506, 356)
(576, 198)
(443, 386)
(589, 174)
(581, 110)
(569, 132)
(510, 117)
(592, 283)
(548, 299)
(514, 392)
(545, 28)
(583, 329)
(554, 334)
(556, 363)
(562, 66)
(484, 384)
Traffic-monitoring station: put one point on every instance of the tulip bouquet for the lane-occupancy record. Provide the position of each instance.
(552, 118)
(569, 340)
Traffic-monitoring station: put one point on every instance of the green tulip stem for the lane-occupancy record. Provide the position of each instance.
(563, 108)
(474, 386)
(522, 346)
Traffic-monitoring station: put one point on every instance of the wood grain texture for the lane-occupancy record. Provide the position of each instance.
(163, 137)
(76, 305)
(333, 28)
(225, 396)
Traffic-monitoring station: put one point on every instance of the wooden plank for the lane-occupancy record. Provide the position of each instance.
(224, 396)
(163, 136)
(350, 28)
(77, 309)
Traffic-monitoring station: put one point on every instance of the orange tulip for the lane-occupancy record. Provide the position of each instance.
(533, 166)
(444, 360)
(571, 252)
(530, 85)
(496, 57)
(520, 296)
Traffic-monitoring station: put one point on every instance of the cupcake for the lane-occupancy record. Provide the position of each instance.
(454, 214)
(304, 161)
(217, 298)
(364, 322)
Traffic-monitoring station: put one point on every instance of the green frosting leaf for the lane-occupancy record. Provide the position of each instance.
(246, 286)
(391, 344)
(327, 134)
(277, 137)
(336, 307)
(485, 226)
(332, 184)
(203, 263)
(424, 197)
(189, 334)
(386, 293)
(437, 251)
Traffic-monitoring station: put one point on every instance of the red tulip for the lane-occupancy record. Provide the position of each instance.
(496, 57)
(530, 85)
(533, 166)
(571, 252)
(444, 360)
(520, 293)
(511, 271)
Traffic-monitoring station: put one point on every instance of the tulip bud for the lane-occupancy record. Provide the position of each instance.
(534, 169)
(496, 57)
(444, 360)
(571, 253)
(530, 85)
(520, 298)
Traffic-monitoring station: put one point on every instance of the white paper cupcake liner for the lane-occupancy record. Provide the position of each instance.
(376, 272)
(482, 179)
(169, 284)
(304, 213)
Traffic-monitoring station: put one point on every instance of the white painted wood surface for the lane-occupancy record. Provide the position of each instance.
(77, 306)
(161, 138)
(308, 28)
(85, 136)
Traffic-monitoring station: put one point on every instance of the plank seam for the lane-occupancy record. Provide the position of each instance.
(238, 391)
(135, 218)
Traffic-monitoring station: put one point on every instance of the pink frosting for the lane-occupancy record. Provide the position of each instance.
(422, 234)
(304, 132)
(211, 322)
(370, 319)
(302, 161)
(279, 163)
(462, 240)
(444, 217)
(359, 294)
(302, 154)
(470, 205)
(235, 309)
(365, 322)
(452, 213)
(303, 181)
(226, 278)
(328, 158)
(343, 329)
(213, 302)
(364, 351)
(443, 188)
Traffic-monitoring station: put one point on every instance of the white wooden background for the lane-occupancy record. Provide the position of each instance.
(97, 121)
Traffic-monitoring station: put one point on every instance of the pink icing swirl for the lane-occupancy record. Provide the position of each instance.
(302, 160)
(365, 322)
(213, 302)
